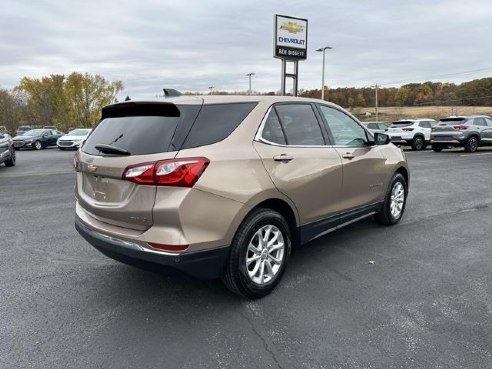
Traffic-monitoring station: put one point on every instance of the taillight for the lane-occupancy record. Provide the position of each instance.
(460, 127)
(175, 172)
(408, 129)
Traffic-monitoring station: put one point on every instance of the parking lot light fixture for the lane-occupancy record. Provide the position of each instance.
(323, 50)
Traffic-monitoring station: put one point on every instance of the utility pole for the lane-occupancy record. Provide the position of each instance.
(211, 88)
(249, 75)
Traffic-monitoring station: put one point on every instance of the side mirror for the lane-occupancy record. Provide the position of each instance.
(381, 138)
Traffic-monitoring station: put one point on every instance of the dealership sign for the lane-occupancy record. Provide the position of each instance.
(290, 37)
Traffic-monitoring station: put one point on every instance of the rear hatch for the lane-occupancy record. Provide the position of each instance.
(399, 127)
(129, 134)
(453, 124)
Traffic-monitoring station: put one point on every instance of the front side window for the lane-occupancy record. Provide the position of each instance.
(488, 121)
(300, 125)
(345, 130)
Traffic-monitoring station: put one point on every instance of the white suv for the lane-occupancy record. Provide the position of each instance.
(413, 132)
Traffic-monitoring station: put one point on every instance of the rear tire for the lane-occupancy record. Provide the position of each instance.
(259, 254)
(471, 144)
(418, 143)
(437, 148)
(394, 202)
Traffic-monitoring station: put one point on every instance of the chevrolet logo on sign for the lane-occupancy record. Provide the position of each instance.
(292, 27)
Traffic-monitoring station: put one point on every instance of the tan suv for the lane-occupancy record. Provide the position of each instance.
(226, 186)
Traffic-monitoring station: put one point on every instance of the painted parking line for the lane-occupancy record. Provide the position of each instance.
(481, 154)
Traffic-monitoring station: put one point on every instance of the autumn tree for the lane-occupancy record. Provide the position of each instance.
(71, 101)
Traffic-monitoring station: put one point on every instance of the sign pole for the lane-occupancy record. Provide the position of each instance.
(290, 45)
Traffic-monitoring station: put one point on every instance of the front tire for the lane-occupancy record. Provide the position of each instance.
(37, 145)
(394, 203)
(259, 254)
(11, 161)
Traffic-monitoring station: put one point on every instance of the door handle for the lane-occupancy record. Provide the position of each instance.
(348, 156)
(283, 157)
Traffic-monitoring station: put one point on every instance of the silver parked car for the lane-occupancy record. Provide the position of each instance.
(469, 132)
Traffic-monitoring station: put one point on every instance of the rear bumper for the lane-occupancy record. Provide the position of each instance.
(207, 264)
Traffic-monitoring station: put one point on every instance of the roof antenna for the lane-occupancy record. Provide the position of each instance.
(170, 92)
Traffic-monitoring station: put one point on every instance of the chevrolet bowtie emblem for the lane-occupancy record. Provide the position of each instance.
(292, 27)
(91, 168)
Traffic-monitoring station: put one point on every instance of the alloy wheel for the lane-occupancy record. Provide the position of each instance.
(265, 254)
(397, 199)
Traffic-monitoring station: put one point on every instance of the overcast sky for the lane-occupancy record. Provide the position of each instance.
(191, 44)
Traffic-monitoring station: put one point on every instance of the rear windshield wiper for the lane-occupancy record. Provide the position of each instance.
(108, 149)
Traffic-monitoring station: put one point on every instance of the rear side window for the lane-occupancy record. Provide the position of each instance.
(216, 122)
(372, 126)
(272, 131)
(300, 125)
(425, 124)
(479, 122)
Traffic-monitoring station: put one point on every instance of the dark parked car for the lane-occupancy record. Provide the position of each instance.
(37, 139)
(469, 132)
(7, 152)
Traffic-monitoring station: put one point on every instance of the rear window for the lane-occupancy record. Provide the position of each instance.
(140, 129)
(216, 122)
(372, 125)
(451, 121)
(401, 123)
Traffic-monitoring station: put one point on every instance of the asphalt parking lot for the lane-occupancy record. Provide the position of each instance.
(426, 302)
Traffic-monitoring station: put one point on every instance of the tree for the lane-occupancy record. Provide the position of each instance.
(71, 101)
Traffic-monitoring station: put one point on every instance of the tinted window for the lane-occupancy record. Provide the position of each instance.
(344, 129)
(424, 124)
(401, 123)
(138, 135)
(300, 125)
(216, 122)
(272, 131)
(488, 121)
(372, 126)
(382, 126)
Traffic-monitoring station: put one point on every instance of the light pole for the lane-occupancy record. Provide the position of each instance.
(376, 86)
(249, 75)
(211, 88)
(323, 49)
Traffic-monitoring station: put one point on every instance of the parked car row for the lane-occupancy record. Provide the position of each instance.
(41, 138)
(469, 132)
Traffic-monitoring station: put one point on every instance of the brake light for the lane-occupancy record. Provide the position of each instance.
(460, 127)
(160, 246)
(175, 172)
(408, 129)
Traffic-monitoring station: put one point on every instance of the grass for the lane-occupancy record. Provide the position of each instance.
(388, 114)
